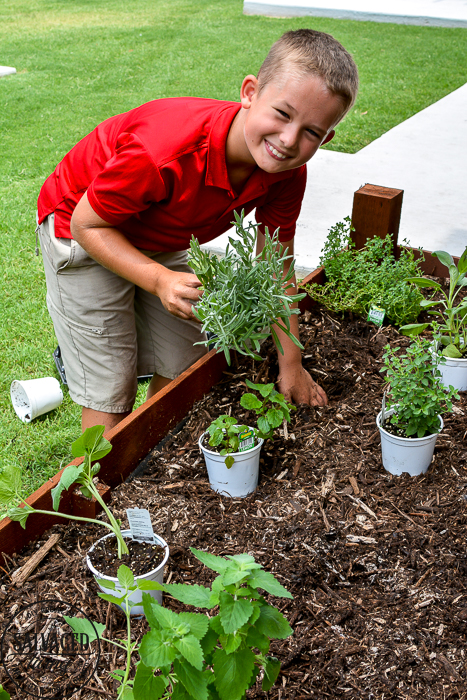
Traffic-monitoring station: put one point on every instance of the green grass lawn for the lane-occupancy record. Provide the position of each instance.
(80, 62)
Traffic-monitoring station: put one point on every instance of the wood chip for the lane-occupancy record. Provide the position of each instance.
(21, 575)
(354, 485)
(361, 539)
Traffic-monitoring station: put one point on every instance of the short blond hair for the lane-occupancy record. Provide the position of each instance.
(309, 52)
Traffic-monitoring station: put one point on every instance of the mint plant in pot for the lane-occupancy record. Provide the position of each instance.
(409, 426)
(118, 545)
(450, 321)
(232, 450)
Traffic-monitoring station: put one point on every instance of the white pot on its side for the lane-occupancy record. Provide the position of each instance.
(410, 455)
(156, 574)
(242, 477)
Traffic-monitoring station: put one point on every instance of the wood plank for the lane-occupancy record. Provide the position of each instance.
(376, 212)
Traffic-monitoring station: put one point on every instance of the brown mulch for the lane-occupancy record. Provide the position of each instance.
(376, 564)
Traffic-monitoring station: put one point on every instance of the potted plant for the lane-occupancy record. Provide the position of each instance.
(244, 296)
(451, 320)
(111, 549)
(232, 451)
(199, 656)
(417, 398)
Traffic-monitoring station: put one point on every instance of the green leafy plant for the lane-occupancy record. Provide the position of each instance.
(244, 296)
(371, 276)
(4, 695)
(415, 391)
(453, 326)
(92, 446)
(271, 410)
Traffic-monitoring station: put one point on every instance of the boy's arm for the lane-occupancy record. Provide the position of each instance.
(106, 244)
(294, 381)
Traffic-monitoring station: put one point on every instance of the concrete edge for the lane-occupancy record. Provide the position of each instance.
(271, 10)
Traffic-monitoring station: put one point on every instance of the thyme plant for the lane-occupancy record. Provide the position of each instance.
(244, 296)
(371, 276)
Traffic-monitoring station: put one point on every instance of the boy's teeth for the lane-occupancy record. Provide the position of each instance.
(276, 153)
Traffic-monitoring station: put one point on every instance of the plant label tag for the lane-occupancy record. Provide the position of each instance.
(376, 315)
(246, 440)
(140, 525)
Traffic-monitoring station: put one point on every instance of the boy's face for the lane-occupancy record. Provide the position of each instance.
(288, 121)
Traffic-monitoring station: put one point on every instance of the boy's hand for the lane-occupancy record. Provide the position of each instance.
(178, 292)
(298, 387)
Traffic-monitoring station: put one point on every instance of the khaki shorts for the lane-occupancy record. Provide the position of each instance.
(109, 330)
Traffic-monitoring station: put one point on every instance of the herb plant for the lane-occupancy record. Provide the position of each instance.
(244, 296)
(453, 326)
(201, 656)
(271, 410)
(371, 276)
(415, 391)
(92, 446)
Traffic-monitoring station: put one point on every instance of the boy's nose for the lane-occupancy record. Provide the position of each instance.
(289, 136)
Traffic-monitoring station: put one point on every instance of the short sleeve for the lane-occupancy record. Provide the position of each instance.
(282, 206)
(129, 182)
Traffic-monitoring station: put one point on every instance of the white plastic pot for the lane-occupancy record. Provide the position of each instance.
(454, 373)
(410, 455)
(242, 477)
(156, 574)
(34, 397)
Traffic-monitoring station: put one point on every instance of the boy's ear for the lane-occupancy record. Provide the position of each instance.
(329, 137)
(248, 90)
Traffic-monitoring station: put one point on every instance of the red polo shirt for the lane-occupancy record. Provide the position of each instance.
(158, 173)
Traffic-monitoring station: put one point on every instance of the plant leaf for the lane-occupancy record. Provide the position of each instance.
(213, 562)
(193, 680)
(146, 685)
(20, 515)
(199, 624)
(413, 328)
(272, 623)
(4, 695)
(68, 478)
(268, 582)
(190, 648)
(233, 613)
(451, 351)
(81, 625)
(271, 671)
(92, 443)
(156, 649)
(125, 576)
(10, 483)
(250, 402)
(445, 258)
(423, 282)
(233, 672)
(198, 596)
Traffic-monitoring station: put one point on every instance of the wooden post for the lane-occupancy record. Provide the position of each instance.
(376, 212)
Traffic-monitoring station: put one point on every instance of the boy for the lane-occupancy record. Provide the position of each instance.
(117, 215)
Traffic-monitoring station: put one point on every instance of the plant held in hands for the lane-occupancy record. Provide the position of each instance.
(415, 392)
(245, 296)
(92, 446)
(453, 318)
(371, 276)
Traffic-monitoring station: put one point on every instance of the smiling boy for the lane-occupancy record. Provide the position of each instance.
(117, 215)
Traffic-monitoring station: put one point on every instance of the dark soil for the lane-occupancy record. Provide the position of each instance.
(376, 564)
(142, 557)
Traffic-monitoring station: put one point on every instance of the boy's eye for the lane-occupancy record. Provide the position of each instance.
(282, 113)
(313, 133)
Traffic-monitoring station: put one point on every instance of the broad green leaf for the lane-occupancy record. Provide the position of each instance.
(194, 681)
(444, 257)
(180, 693)
(229, 461)
(69, 477)
(233, 672)
(105, 583)
(190, 648)
(462, 264)
(275, 417)
(147, 686)
(4, 695)
(111, 598)
(81, 625)
(233, 613)
(217, 564)
(244, 560)
(230, 642)
(198, 623)
(125, 576)
(145, 585)
(233, 574)
(209, 641)
(256, 640)
(198, 596)
(266, 581)
(263, 424)
(167, 619)
(271, 671)
(451, 351)
(156, 649)
(128, 693)
(412, 329)
(423, 282)
(272, 623)
(10, 483)
(250, 402)
(92, 443)
(20, 515)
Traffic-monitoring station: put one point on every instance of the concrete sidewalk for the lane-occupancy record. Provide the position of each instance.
(426, 156)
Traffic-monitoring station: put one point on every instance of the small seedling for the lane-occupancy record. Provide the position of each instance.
(271, 409)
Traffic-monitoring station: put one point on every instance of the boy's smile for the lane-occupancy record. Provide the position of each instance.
(282, 126)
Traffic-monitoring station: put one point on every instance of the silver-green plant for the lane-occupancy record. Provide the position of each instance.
(453, 318)
(244, 296)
